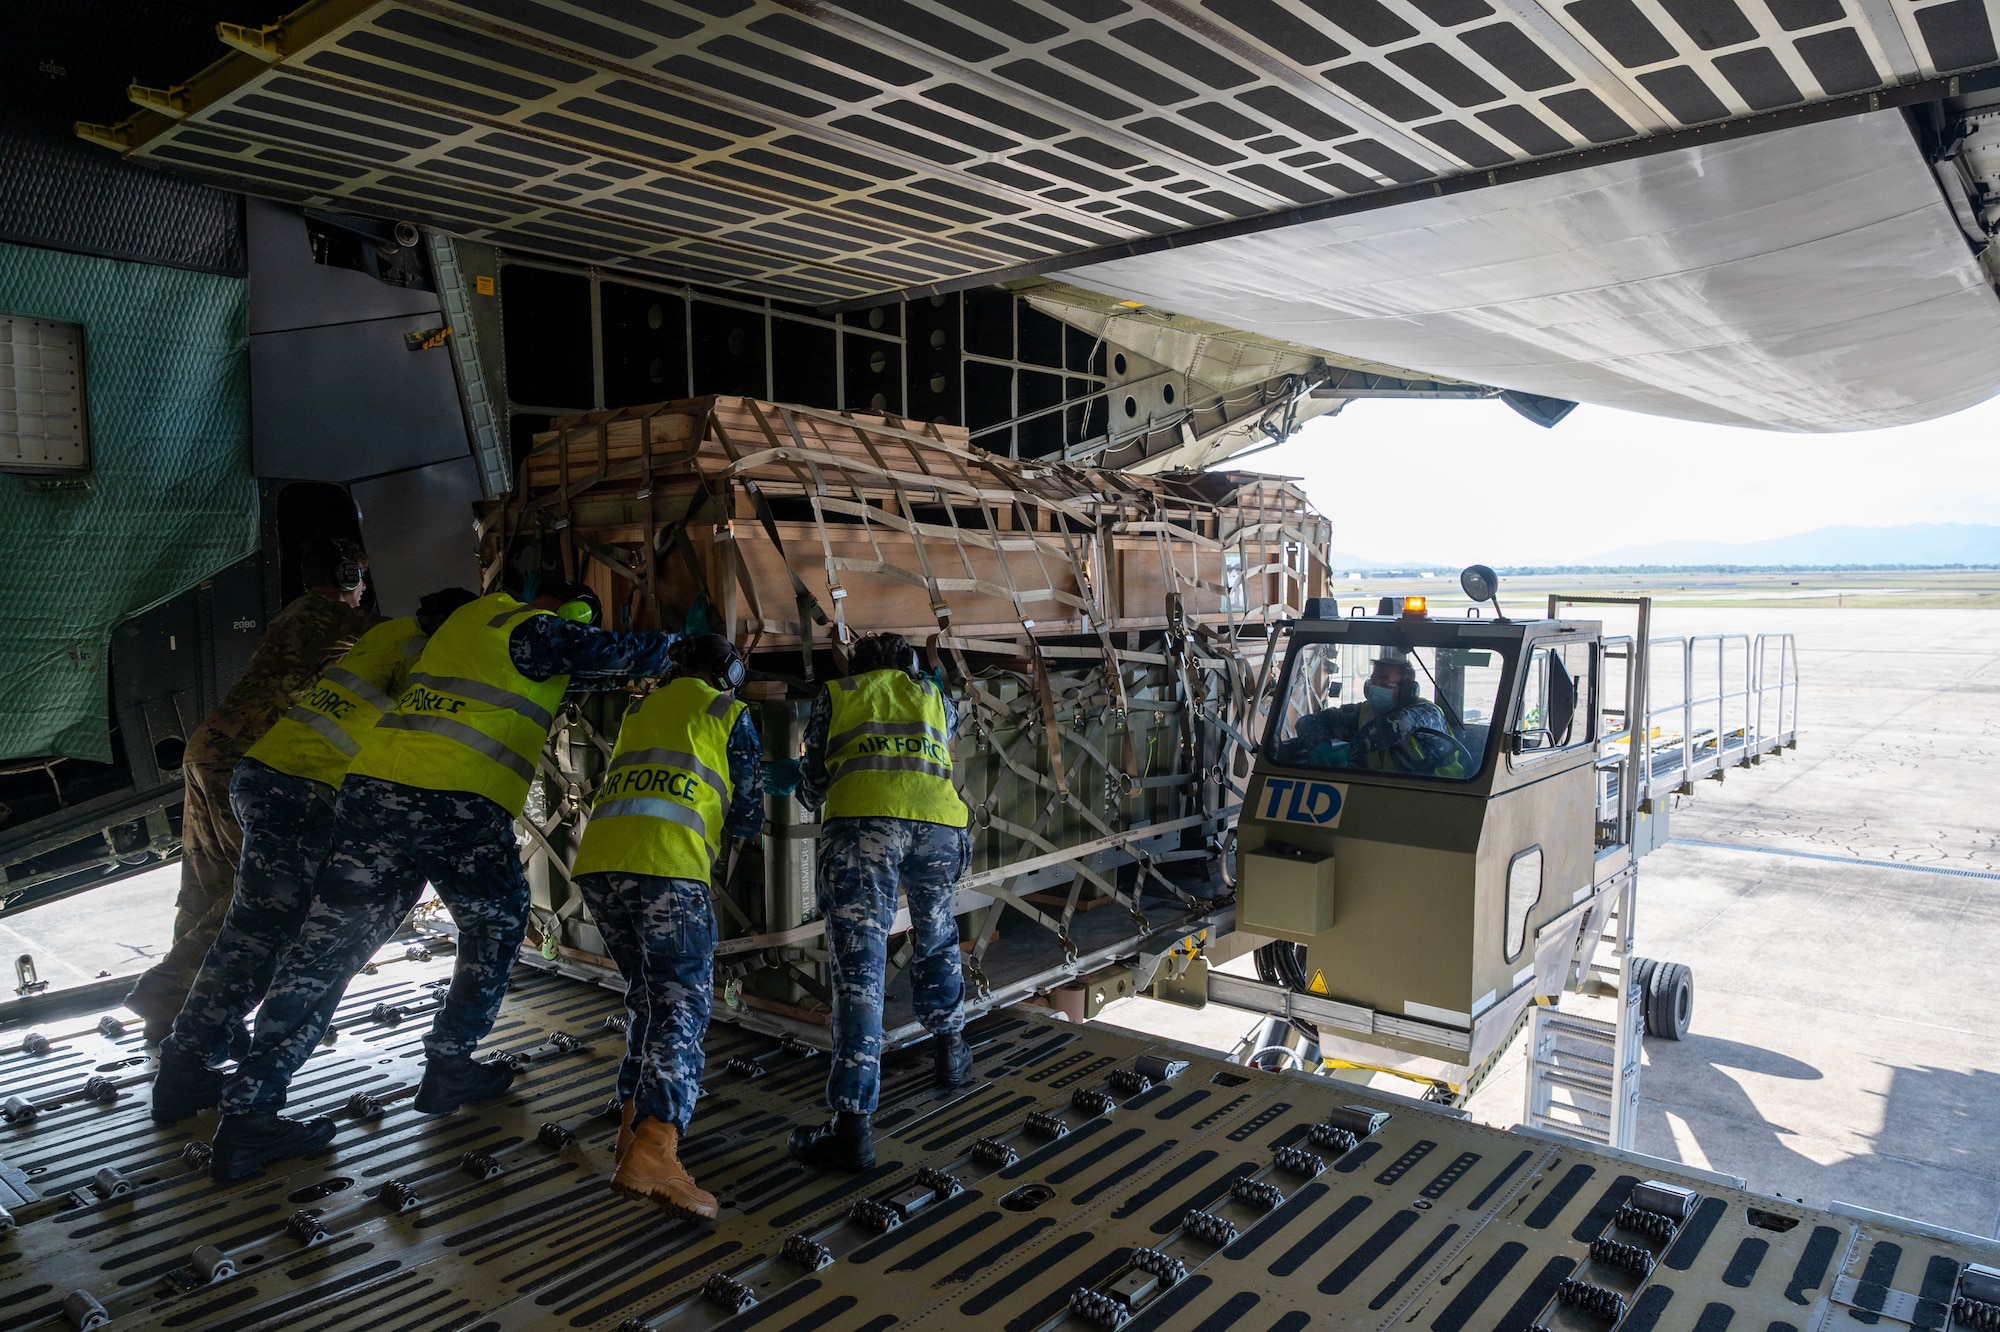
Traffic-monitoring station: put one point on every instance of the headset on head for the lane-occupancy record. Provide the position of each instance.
(348, 573)
(581, 606)
(730, 672)
(908, 661)
(1406, 680)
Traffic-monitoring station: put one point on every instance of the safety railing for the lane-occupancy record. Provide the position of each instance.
(1713, 701)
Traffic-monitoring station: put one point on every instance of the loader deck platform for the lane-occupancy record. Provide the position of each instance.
(500, 1218)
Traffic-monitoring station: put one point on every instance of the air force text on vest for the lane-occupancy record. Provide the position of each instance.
(650, 777)
(1295, 800)
(922, 746)
(419, 699)
(327, 701)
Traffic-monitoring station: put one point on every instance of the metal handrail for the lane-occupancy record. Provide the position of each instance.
(1762, 708)
(1785, 727)
(1723, 696)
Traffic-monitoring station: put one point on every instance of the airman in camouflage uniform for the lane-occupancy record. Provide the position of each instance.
(1392, 729)
(283, 796)
(861, 863)
(393, 835)
(287, 827)
(878, 758)
(391, 839)
(300, 643)
(659, 827)
(661, 932)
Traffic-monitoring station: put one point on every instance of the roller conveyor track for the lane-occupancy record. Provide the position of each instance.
(1426, 1222)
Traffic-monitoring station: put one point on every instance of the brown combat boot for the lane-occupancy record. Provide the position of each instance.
(650, 1170)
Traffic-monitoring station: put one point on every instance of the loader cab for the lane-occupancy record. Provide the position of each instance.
(1480, 706)
(1422, 811)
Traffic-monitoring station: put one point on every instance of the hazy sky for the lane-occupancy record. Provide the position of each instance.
(1458, 482)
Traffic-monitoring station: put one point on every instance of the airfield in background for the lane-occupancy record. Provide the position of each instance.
(1526, 594)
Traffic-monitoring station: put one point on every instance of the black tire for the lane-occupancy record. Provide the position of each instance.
(1669, 1001)
(1642, 975)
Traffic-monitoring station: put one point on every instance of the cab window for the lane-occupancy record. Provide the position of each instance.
(1380, 707)
(1556, 708)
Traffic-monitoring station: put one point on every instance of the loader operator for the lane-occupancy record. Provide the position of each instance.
(299, 643)
(283, 795)
(433, 794)
(878, 758)
(686, 770)
(1393, 728)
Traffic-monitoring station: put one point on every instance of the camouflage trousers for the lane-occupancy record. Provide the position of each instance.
(388, 839)
(861, 864)
(661, 933)
(287, 826)
(211, 843)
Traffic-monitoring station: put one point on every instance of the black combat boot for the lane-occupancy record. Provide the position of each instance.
(951, 1058)
(184, 1087)
(451, 1081)
(844, 1142)
(246, 1143)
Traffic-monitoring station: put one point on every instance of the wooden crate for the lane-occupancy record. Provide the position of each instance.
(889, 525)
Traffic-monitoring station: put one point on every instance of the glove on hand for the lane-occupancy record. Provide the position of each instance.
(781, 776)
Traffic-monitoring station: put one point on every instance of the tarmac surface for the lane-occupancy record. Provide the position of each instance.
(126, 927)
(1841, 912)
(1840, 909)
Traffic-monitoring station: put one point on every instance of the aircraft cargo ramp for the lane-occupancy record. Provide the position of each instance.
(1170, 1187)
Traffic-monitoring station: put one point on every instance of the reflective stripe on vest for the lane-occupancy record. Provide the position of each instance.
(469, 736)
(662, 803)
(635, 807)
(326, 726)
(362, 689)
(888, 752)
(467, 720)
(319, 736)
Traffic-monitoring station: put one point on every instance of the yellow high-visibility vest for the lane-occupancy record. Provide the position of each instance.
(660, 808)
(467, 719)
(322, 732)
(888, 754)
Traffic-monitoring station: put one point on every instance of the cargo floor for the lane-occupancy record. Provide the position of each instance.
(492, 1219)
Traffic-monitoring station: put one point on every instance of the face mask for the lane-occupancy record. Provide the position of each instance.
(1381, 697)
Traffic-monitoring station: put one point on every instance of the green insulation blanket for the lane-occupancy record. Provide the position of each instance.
(168, 500)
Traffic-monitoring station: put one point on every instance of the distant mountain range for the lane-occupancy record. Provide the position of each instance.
(1912, 543)
(1921, 545)
(1341, 561)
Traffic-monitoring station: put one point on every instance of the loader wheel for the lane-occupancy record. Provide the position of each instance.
(1642, 975)
(1669, 1001)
